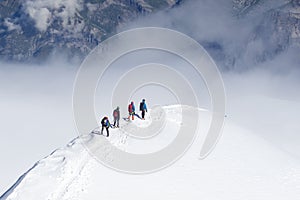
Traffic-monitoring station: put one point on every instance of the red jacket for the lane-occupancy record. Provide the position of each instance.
(130, 110)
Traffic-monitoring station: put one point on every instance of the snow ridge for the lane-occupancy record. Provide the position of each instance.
(241, 160)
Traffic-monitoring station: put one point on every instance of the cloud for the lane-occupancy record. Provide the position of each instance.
(233, 41)
(42, 17)
(11, 25)
(43, 12)
(92, 7)
(36, 114)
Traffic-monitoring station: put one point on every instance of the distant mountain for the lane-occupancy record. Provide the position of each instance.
(279, 27)
(33, 29)
(36, 29)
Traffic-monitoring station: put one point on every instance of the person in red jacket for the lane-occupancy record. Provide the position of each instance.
(131, 110)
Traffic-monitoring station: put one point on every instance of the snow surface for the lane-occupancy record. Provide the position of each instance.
(243, 166)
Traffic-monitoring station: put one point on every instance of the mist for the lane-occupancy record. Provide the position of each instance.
(36, 100)
(261, 86)
(36, 115)
(234, 42)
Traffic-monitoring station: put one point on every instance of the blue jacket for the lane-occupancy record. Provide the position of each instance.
(145, 106)
(105, 122)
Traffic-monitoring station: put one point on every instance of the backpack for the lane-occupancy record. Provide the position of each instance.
(130, 108)
(141, 106)
(104, 121)
(116, 114)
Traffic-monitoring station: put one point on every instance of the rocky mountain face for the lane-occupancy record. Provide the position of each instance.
(279, 28)
(33, 29)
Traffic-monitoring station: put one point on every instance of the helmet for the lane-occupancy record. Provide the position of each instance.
(144, 100)
(118, 107)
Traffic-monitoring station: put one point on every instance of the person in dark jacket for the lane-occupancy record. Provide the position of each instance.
(116, 115)
(131, 110)
(105, 124)
(143, 108)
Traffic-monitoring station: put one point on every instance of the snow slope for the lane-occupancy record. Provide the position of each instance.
(243, 166)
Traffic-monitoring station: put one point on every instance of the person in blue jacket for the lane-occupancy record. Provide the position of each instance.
(143, 108)
(105, 124)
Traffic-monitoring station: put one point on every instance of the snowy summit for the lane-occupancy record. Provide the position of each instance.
(235, 169)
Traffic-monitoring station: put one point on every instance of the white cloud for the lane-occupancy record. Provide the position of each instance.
(42, 11)
(11, 26)
(41, 16)
(36, 115)
(91, 7)
(213, 22)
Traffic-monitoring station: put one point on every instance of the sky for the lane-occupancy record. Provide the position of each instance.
(36, 100)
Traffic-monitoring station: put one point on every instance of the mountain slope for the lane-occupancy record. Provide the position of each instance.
(242, 166)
